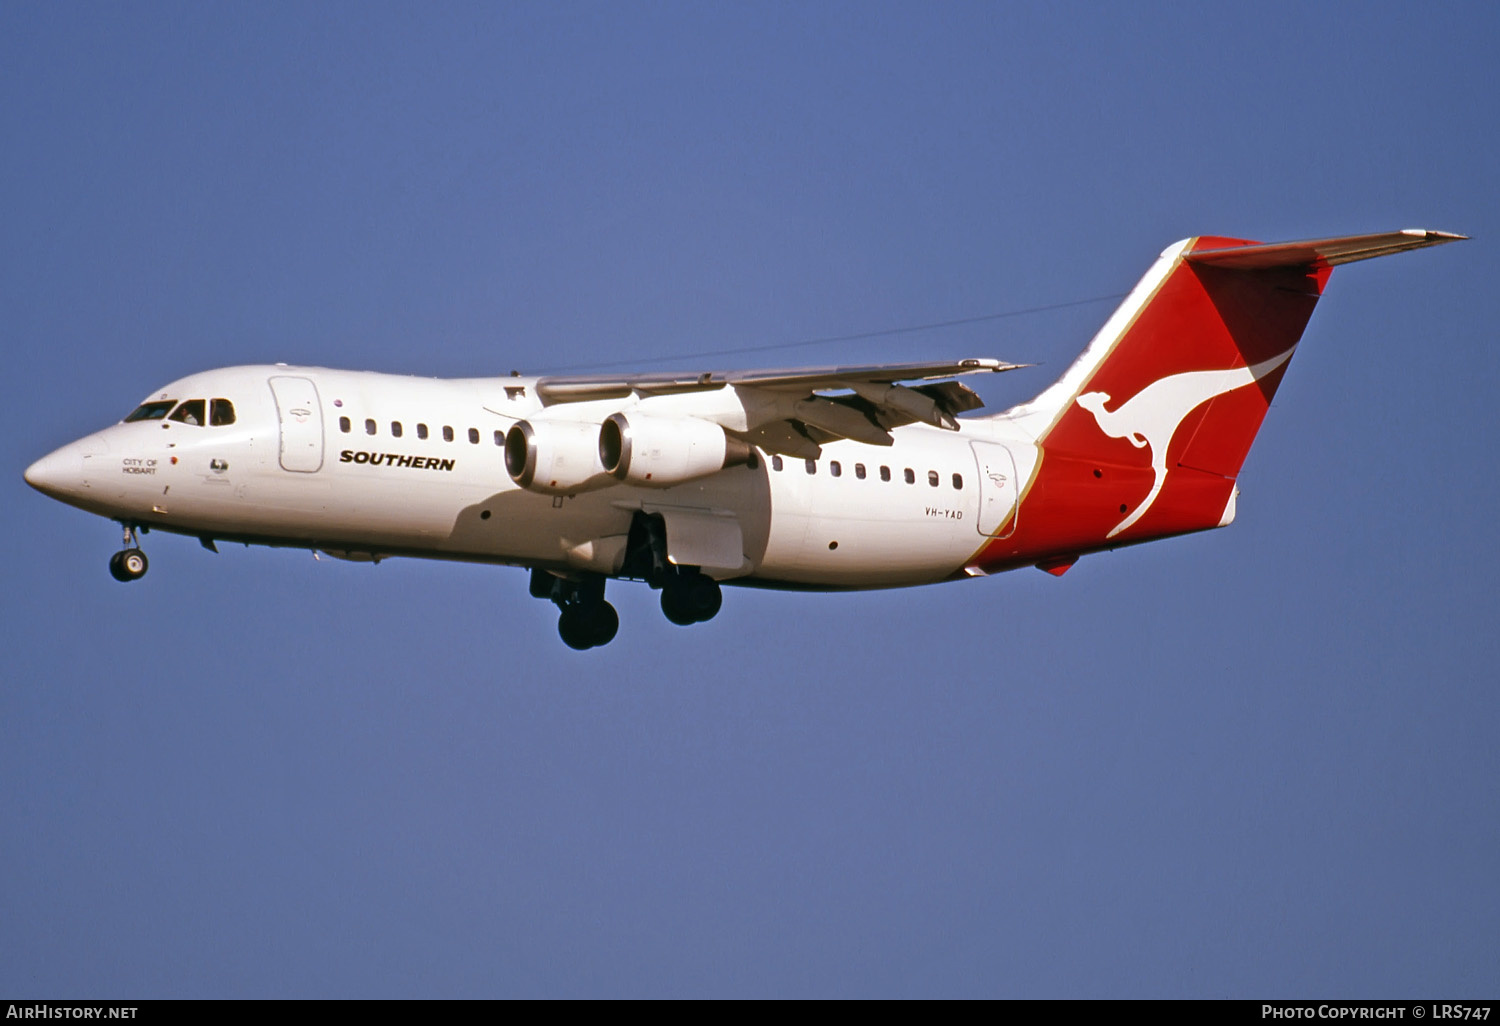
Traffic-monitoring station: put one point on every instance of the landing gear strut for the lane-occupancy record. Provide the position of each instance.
(130, 563)
(587, 621)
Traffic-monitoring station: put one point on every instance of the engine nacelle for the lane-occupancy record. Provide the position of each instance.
(660, 452)
(555, 457)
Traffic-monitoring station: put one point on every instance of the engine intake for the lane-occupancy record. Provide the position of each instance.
(555, 457)
(660, 452)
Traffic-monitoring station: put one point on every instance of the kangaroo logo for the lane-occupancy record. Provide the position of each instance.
(1152, 416)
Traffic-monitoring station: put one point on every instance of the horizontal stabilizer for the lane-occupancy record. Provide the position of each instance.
(1344, 249)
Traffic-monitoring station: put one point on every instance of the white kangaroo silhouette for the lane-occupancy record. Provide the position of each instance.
(1152, 416)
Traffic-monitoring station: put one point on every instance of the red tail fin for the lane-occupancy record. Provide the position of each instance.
(1145, 434)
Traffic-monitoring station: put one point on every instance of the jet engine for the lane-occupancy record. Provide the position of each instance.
(660, 452)
(555, 457)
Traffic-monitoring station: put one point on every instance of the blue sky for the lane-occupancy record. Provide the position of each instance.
(1260, 761)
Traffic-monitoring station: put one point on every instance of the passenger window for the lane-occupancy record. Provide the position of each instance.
(835, 469)
(421, 430)
(221, 412)
(190, 412)
(775, 462)
(447, 433)
(911, 478)
(369, 426)
(958, 482)
(932, 478)
(500, 438)
(151, 411)
(812, 466)
(473, 436)
(885, 473)
(859, 471)
(395, 429)
(344, 425)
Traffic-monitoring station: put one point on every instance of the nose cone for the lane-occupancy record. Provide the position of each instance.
(58, 474)
(61, 474)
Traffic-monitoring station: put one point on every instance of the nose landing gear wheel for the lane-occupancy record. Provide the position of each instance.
(128, 565)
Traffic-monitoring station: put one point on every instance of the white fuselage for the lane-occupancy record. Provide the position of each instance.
(314, 458)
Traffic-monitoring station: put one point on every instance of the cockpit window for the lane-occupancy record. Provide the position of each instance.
(221, 412)
(151, 411)
(190, 412)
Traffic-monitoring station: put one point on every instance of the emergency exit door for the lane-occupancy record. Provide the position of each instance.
(997, 489)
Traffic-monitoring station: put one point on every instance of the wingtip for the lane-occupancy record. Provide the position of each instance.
(988, 363)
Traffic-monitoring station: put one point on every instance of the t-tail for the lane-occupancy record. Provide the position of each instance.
(1144, 435)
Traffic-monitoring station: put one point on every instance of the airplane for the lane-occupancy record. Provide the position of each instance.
(823, 478)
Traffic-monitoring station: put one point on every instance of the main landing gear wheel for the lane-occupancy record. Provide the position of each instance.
(588, 625)
(128, 565)
(691, 598)
(587, 621)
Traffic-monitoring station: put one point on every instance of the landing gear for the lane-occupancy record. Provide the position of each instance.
(690, 596)
(588, 626)
(587, 621)
(130, 563)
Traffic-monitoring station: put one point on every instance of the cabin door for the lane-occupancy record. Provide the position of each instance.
(301, 417)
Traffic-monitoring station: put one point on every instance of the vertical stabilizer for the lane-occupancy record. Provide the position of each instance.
(1144, 434)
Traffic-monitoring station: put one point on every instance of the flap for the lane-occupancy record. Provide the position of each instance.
(700, 537)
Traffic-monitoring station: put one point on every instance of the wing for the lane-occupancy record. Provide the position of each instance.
(565, 389)
(785, 410)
